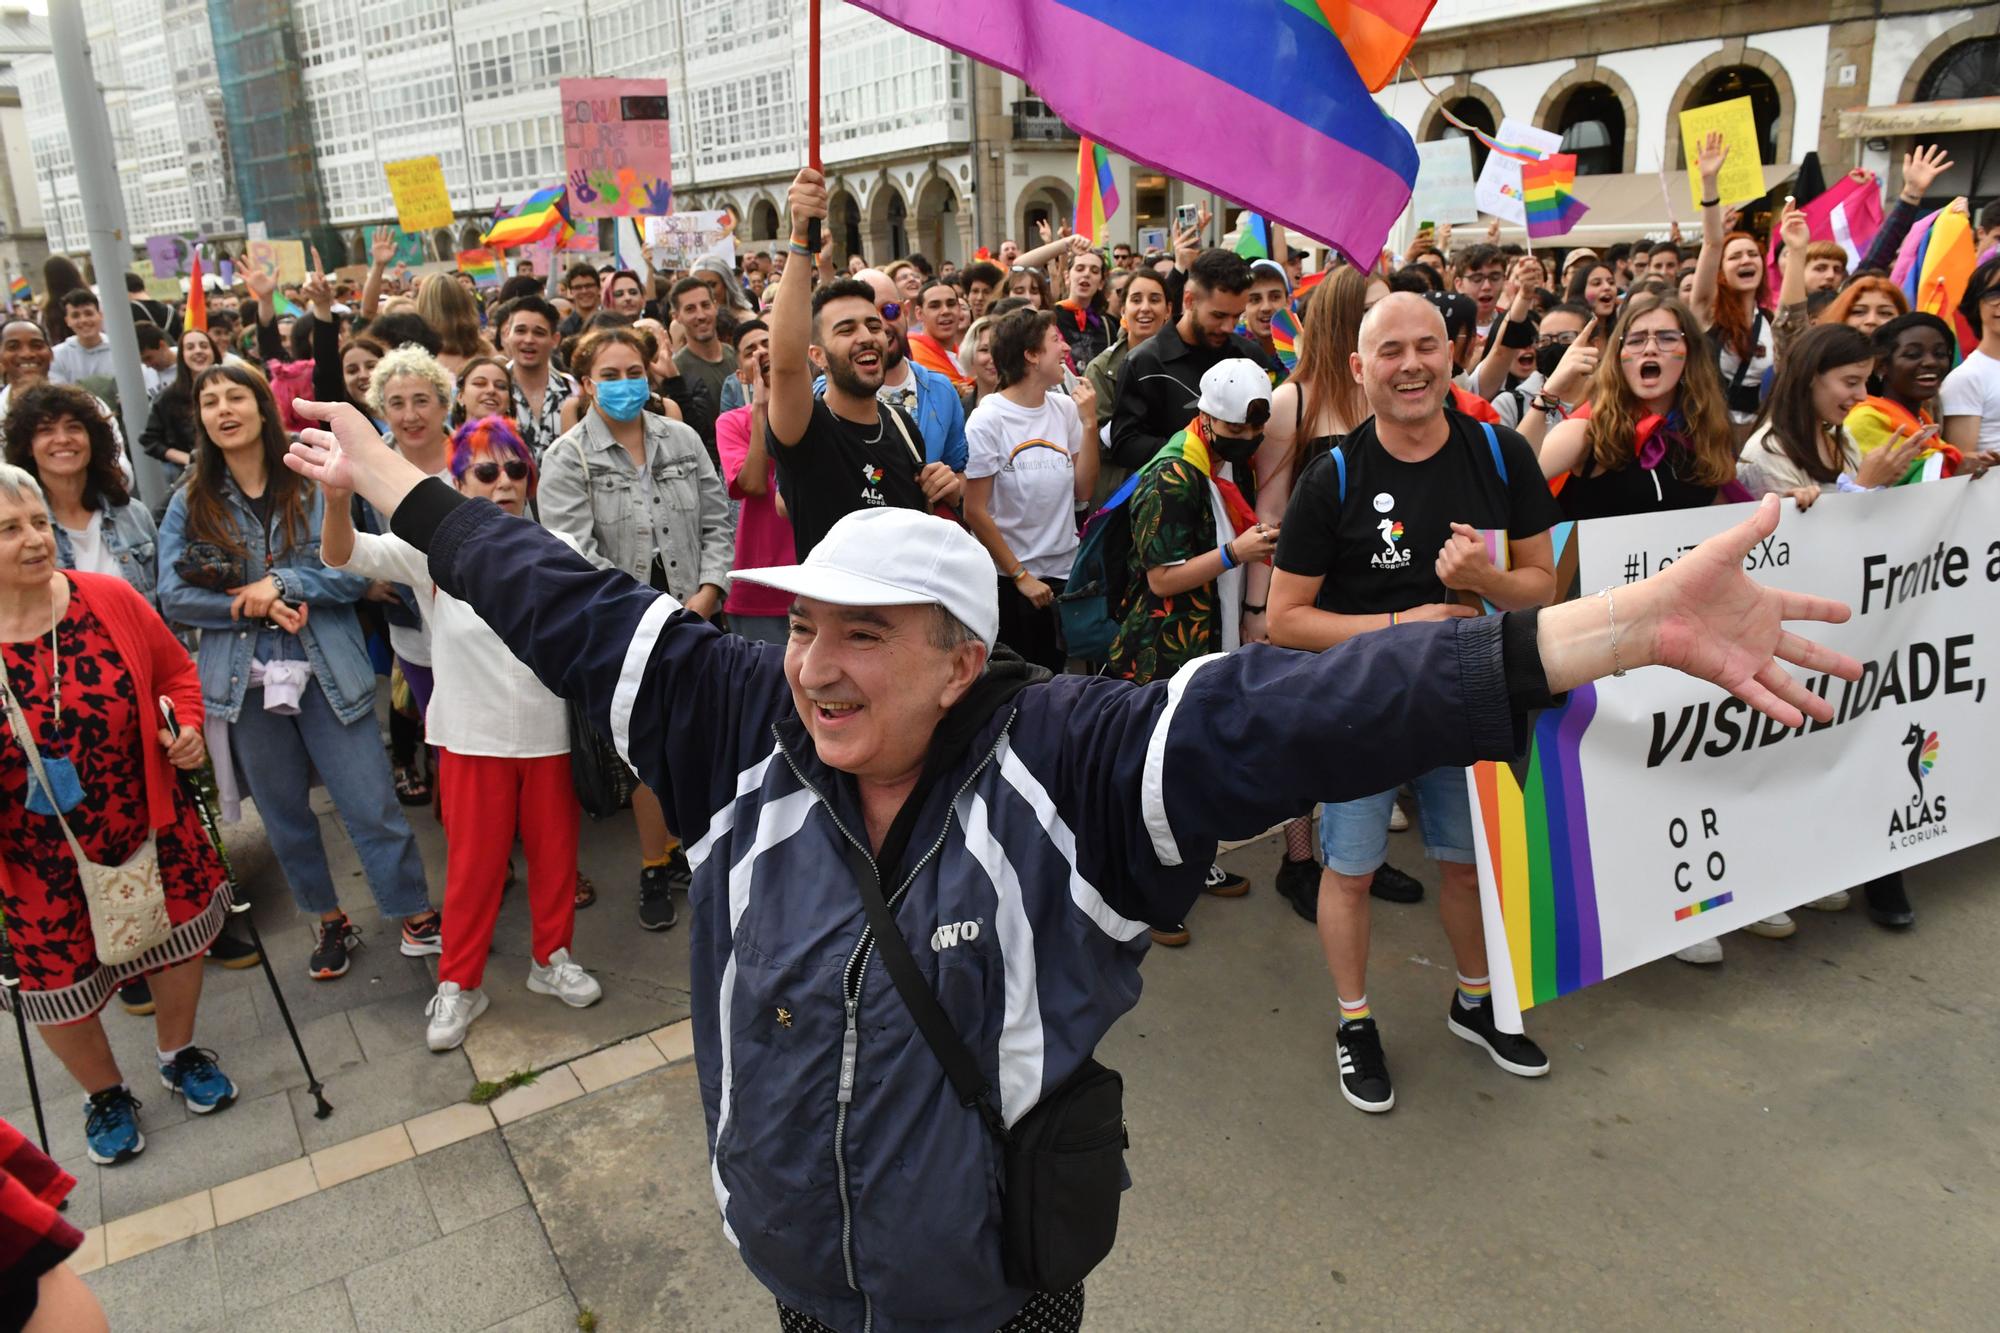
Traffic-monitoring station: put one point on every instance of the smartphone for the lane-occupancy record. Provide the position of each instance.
(1426, 226)
(1923, 437)
(167, 712)
(1187, 216)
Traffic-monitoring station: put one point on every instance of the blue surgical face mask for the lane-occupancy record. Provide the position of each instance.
(621, 400)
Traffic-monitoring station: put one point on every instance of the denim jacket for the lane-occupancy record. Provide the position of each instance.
(690, 521)
(331, 637)
(131, 539)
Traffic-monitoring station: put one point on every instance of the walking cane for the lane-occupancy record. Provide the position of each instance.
(10, 977)
(240, 906)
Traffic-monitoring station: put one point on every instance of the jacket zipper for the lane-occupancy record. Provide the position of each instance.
(850, 994)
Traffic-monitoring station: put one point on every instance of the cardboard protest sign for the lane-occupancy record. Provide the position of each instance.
(617, 147)
(1444, 189)
(417, 185)
(285, 260)
(409, 246)
(1498, 190)
(168, 255)
(1743, 174)
(677, 240)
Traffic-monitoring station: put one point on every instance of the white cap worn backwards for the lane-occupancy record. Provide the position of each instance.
(1230, 386)
(897, 557)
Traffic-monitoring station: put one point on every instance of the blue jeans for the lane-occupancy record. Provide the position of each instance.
(1354, 835)
(277, 756)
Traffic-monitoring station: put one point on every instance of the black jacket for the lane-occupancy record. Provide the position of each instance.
(1158, 389)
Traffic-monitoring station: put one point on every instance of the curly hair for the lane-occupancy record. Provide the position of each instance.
(44, 405)
(410, 361)
(1612, 431)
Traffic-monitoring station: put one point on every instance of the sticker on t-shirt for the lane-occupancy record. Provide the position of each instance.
(1384, 502)
(1394, 555)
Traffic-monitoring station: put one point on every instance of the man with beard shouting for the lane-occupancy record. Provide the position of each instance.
(847, 450)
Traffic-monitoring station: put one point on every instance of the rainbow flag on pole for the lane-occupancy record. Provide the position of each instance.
(1935, 264)
(1264, 102)
(1545, 192)
(538, 215)
(1096, 191)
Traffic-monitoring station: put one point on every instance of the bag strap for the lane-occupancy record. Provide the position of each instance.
(18, 724)
(1743, 363)
(1493, 444)
(896, 415)
(938, 1033)
(1340, 473)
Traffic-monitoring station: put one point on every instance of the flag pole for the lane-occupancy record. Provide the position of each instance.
(812, 116)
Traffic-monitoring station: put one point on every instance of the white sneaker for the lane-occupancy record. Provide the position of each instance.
(1833, 902)
(1708, 951)
(1773, 927)
(452, 1011)
(1398, 821)
(564, 980)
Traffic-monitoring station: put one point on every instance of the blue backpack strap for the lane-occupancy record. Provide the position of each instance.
(1340, 471)
(1493, 443)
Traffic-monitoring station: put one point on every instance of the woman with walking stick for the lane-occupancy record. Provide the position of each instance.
(105, 872)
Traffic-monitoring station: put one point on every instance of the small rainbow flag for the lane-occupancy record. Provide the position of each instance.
(1545, 191)
(1096, 191)
(195, 316)
(482, 264)
(19, 290)
(1285, 337)
(538, 215)
(1934, 265)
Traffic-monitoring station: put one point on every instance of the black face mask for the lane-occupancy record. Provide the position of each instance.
(1232, 450)
(1546, 358)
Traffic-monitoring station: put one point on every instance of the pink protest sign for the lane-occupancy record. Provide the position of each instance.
(617, 147)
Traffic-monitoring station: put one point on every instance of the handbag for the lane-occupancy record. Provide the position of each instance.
(1062, 1164)
(603, 781)
(127, 902)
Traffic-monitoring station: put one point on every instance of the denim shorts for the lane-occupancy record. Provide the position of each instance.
(1354, 835)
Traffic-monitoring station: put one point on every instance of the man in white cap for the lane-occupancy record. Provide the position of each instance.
(1009, 834)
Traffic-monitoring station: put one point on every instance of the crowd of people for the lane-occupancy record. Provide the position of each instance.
(258, 632)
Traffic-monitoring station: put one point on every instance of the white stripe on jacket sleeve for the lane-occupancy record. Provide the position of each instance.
(632, 674)
(1152, 781)
(1081, 891)
(1022, 1047)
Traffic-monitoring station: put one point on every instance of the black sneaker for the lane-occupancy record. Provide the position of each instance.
(136, 997)
(1298, 883)
(1224, 883)
(423, 936)
(1395, 886)
(1364, 1073)
(232, 953)
(1889, 902)
(1512, 1052)
(656, 898)
(329, 956)
(679, 873)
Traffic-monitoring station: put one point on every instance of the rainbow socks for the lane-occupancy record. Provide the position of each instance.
(1472, 991)
(1353, 1011)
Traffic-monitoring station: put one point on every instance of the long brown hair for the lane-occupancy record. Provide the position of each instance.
(1735, 317)
(1613, 428)
(450, 310)
(208, 515)
(1795, 427)
(1328, 336)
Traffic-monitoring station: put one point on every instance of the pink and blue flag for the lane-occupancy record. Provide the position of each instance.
(1256, 100)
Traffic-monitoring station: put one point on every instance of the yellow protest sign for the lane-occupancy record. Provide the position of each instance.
(417, 184)
(291, 256)
(1743, 174)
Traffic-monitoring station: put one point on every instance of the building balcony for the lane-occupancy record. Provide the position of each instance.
(1035, 123)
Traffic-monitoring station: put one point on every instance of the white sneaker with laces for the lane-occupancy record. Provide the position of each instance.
(1702, 954)
(1776, 927)
(565, 980)
(452, 1011)
(1833, 902)
(1398, 821)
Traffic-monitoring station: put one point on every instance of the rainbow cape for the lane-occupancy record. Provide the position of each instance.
(535, 217)
(1545, 192)
(1934, 265)
(1260, 101)
(1096, 191)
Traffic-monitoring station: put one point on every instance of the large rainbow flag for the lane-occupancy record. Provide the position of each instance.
(1545, 193)
(1260, 101)
(1096, 191)
(1934, 265)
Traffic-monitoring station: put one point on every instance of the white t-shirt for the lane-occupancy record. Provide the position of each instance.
(87, 549)
(1030, 452)
(1973, 390)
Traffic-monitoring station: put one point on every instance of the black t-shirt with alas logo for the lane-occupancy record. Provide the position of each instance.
(838, 467)
(1378, 552)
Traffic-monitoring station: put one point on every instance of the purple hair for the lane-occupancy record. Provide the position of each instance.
(494, 436)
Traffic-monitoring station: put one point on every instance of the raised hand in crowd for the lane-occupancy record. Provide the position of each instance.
(316, 291)
(1443, 239)
(1922, 166)
(382, 249)
(1570, 380)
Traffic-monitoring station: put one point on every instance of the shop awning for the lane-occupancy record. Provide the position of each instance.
(1971, 113)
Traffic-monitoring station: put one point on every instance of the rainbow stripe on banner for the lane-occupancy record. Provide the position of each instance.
(1096, 191)
(1705, 905)
(1545, 193)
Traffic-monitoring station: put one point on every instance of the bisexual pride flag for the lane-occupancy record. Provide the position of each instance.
(1264, 102)
(1096, 191)
(1545, 192)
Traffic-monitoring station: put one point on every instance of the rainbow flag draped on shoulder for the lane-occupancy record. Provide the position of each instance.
(1257, 100)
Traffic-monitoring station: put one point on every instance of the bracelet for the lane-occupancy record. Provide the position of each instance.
(1394, 619)
(800, 248)
(1227, 563)
(1252, 610)
(1712, 203)
(1018, 573)
(1611, 610)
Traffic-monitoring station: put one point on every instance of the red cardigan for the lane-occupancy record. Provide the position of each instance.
(159, 665)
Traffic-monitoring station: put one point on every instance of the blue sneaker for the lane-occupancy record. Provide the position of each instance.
(194, 1075)
(111, 1124)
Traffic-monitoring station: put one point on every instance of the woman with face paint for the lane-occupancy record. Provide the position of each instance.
(638, 492)
(1913, 352)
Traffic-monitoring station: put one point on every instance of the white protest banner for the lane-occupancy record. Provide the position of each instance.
(678, 239)
(1499, 187)
(1653, 811)
(1444, 189)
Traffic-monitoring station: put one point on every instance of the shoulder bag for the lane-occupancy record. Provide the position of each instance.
(603, 782)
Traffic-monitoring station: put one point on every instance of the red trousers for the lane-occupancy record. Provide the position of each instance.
(485, 801)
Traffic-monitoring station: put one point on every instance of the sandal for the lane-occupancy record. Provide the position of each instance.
(411, 787)
(586, 892)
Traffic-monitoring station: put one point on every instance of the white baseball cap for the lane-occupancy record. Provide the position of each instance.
(1230, 386)
(896, 557)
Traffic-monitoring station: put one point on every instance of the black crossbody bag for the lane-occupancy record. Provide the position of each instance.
(1063, 1163)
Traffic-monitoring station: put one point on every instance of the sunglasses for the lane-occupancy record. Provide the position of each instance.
(891, 310)
(488, 473)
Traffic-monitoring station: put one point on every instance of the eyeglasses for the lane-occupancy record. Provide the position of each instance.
(1555, 340)
(891, 310)
(488, 473)
(1667, 340)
